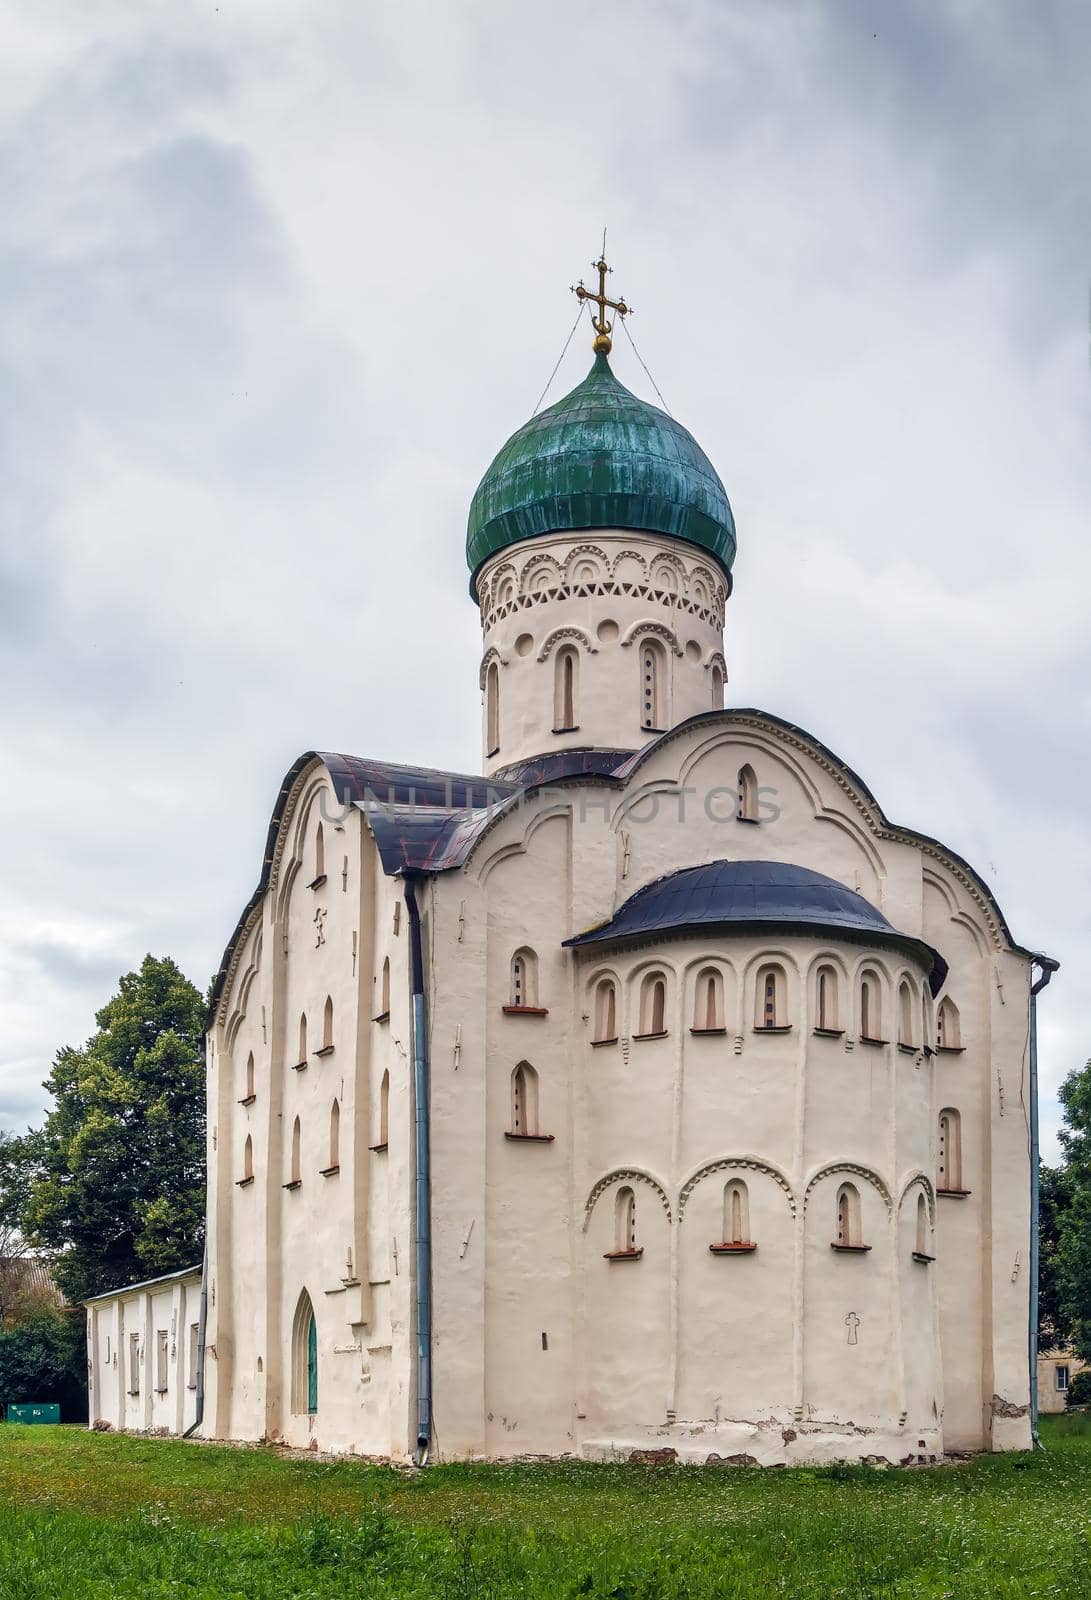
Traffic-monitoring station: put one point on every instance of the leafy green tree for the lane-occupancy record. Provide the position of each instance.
(43, 1359)
(118, 1189)
(1055, 1198)
(1072, 1259)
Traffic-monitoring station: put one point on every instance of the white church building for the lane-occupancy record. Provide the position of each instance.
(650, 1091)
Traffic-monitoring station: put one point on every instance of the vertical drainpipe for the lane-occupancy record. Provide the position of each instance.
(423, 1195)
(202, 1318)
(1047, 967)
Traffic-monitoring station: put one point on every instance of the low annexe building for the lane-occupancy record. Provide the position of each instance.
(143, 1354)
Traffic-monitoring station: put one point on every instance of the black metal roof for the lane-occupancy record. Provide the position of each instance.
(753, 896)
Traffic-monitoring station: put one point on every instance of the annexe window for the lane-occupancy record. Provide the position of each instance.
(708, 1006)
(849, 1234)
(134, 1363)
(605, 1011)
(524, 1101)
(948, 1029)
(771, 1010)
(653, 1006)
(653, 700)
(492, 709)
(161, 1354)
(826, 994)
(905, 1013)
(949, 1164)
(565, 671)
(524, 980)
(746, 808)
(871, 1017)
(194, 1347)
(1060, 1377)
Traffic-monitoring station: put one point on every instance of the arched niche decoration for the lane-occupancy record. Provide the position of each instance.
(854, 1170)
(560, 635)
(491, 657)
(730, 1164)
(625, 1175)
(656, 630)
(920, 1180)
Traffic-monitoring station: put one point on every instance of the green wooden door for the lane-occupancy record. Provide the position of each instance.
(312, 1366)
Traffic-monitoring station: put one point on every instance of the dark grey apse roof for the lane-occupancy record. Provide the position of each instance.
(756, 896)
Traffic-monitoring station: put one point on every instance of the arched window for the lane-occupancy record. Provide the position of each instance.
(922, 1240)
(746, 807)
(524, 980)
(717, 688)
(304, 1358)
(653, 1006)
(327, 1024)
(653, 700)
(736, 1229)
(625, 1222)
(248, 1160)
(905, 1013)
(871, 1016)
(826, 997)
(384, 992)
(948, 1028)
(250, 1076)
(949, 1164)
(319, 854)
(384, 1113)
(524, 1101)
(849, 1235)
(334, 1161)
(297, 1152)
(302, 1062)
(605, 1011)
(506, 592)
(492, 709)
(565, 673)
(708, 1002)
(771, 1010)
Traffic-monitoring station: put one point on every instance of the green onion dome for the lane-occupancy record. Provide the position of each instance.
(600, 458)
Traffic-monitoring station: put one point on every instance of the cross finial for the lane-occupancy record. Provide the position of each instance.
(602, 325)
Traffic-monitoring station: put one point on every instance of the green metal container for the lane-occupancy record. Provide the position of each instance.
(47, 1411)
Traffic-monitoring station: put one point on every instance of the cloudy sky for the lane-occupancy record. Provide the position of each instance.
(276, 280)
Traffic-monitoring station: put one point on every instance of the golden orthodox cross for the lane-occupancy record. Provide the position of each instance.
(601, 324)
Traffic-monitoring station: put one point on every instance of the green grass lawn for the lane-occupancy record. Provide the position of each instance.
(106, 1515)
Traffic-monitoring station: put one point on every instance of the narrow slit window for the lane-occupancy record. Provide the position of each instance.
(248, 1159)
(736, 1219)
(524, 980)
(327, 1024)
(717, 688)
(849, 1233)
(709, 1002)
(297, 1152)
(384, 989)
(605, 1011)
(625, 1222)
(249, 1089)
(747, 795)
(905, 1013)
(335, 1137)
(652, 687)
(524, 1100)
(922, 1227)
(492, 709)
(653, 1005)
(871, 1021)
(319, 853)
(303, 1038)
(565, 671)
(771, 1008)
(827, 999)
(949, 1164)
(384, 1111)
(948, 1029)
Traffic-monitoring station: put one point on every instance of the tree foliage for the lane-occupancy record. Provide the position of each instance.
(44, 1359)
(117, 1187)
(1065, 1235)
